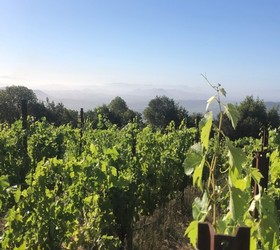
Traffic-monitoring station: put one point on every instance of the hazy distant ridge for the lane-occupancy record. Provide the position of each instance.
(136, 99)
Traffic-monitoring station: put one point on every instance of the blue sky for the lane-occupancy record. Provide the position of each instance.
(153, 43)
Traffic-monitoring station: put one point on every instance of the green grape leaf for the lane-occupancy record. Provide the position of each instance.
(269, 231)
(114, 171)
(238, 203)
(256, 175)
(205, 126)
(88, 199)
(197, 175)
(223, 92)
(3, 182)
(232, 113)
(200, 207)
(274, 170)
(72, 174)
(236, 180)
(267, 204)
(93, 149)
(254, 237)
(17, 195)
(192, 232)
(21, 247)
(236, 156)
(209, 101)
(112, 152)
(100, 175)
(221, 226)
(193, 158)
(104, 166)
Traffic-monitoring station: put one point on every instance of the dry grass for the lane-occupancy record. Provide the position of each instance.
(165, 229)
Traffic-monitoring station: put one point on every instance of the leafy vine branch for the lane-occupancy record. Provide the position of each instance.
(215, 157)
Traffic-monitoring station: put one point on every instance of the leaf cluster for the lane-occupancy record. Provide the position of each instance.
(229, 203)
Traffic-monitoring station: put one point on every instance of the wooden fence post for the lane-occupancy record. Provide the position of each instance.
(81, 129)
(261, 162)
(24, 113)
(25, 167)
(209, 240)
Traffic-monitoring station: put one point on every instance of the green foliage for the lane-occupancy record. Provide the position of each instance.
(14, 161)
(10, 107)
(4, 184)
(85, 188)
(226, 182)
(117, 112)
(58, 114)
(87, 191)
(273, 117)
(253, 117)
(162, 110)
(10, 102)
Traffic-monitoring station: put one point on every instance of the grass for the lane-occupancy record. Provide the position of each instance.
(165, 229)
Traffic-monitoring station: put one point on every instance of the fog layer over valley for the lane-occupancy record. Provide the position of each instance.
(137, 98)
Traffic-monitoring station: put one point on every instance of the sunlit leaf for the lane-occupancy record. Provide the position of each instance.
(200, 207)
(238, 203)
(206, 125)
(193, 158)
(112, 152)
(238, 181)
(256, 174)
(274, 170)
(197, 175)
(4, 182)
(209, 101)
(192, 232)
(21, 247)
(236, 156)
(232, 113)
(114, 171)
(17, 195)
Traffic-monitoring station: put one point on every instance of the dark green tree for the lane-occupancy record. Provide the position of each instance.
(120, 113)
(194, 119)
(273, 117)
(118, 105)
(162, 110)
(100, 117)
(117, 112)
(253, 117)
(58, 114)
(10, 102)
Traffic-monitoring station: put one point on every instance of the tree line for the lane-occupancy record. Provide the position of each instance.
(158, 114)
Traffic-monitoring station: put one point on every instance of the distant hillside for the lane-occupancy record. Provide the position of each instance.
(136, 99)
(270, 105)
(42, 96)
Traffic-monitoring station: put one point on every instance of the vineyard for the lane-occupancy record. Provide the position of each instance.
(82, 188)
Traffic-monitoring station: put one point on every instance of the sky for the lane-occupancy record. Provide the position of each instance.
(67, 44)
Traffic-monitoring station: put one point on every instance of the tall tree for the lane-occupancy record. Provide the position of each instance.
(162, 110)
(253, 117)
(10, 102)
(58, 114)
(120, 113)
(117, 112)
(100, 117)
(273, 117)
